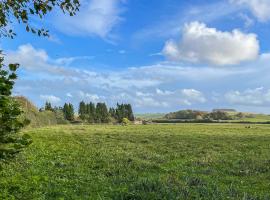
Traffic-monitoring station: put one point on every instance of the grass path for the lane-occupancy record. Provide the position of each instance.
(184, 161)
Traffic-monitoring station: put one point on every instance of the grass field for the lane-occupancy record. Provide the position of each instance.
(184, 161)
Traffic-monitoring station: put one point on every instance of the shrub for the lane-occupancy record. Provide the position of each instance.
(125, 121)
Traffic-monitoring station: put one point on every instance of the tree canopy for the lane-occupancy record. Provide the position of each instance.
(21, 11)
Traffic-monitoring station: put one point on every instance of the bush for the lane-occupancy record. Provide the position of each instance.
(125, 121)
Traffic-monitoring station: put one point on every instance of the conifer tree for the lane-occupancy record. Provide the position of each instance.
(102, 113)
(92, 118)
(68, 111)
(48, 106)
(82, 110)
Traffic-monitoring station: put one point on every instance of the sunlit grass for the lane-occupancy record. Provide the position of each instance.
(185, 161)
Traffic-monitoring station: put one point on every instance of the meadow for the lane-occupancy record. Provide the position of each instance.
(183, 161)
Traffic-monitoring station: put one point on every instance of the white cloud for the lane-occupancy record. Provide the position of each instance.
(50, 98)
(142, 94)
(165, 92)
(250, 97)
(69, 60)
(201, 44)
(89, 97)
(28, 56)
(193, 95)
(96, 17)
(259, 8)
(37, 60)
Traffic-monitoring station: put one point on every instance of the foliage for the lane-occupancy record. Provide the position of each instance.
(125, 121)
(68, 111)
(185, 114)
(87, 112)
(82, 110)
(40, 118)
(99, 113)
(124, 111)
(9, 108)
(218, 115)
(10, 111)
(48, 106)
(102, 114)
(23, 11)
(183, 161)
(200, 115)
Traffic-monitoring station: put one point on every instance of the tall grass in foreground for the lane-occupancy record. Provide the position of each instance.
(185, 161)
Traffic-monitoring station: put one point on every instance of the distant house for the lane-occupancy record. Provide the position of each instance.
(224, 110)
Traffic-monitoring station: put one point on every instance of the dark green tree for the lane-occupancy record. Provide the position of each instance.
(102, 113)
(112, 112)
(48, 106)
(130, 114)
(82, 110)
(124, 111)
(92, 118)
(9, 108)
(68, 111)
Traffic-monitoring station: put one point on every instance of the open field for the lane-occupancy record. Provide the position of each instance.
(184, 161)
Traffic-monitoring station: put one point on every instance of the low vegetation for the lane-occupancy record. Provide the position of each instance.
(186, 161)
(39, 118)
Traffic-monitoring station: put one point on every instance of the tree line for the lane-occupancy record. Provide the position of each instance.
(94, 113)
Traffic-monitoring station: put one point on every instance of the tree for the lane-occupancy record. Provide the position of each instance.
(91, 114)
(102, 113)
(82, 110)
(219, 115)
(9, 108)
(124, 111)
(68, 111)
(112, 112)
(48, 106)
(130, 114)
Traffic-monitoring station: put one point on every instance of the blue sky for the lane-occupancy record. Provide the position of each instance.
(160, 56)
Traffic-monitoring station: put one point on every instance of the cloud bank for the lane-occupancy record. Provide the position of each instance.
(200, 44)
(159, 87)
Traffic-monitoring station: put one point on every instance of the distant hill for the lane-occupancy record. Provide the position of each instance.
(148, 116)
(38, 119)
(229, 115)
(186, 114)
(224, 110)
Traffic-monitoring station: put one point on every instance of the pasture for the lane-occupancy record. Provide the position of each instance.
(183, 161)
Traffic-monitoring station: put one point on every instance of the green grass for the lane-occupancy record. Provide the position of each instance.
(184, 161)
(257, 118)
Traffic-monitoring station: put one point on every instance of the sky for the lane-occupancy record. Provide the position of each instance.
(158, 55)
